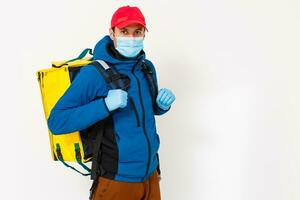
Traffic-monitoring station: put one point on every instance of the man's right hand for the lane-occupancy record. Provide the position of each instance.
(116, 98)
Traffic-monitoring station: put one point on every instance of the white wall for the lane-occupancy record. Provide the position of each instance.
(233, 132)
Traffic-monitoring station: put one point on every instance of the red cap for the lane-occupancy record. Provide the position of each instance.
(127, 15)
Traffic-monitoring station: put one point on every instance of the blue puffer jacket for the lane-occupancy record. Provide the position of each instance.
(135, 137)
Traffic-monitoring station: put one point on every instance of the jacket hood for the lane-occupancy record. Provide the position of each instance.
(101, 52)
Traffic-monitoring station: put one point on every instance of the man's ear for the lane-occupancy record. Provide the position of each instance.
(111, 34)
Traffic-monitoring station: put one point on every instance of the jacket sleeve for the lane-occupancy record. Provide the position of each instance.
(81, 105)
(156, 109)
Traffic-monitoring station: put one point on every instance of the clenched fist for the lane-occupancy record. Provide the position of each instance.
(165, 98)
(116, 98)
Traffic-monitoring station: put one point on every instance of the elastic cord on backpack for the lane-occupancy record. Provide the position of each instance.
(60, 157)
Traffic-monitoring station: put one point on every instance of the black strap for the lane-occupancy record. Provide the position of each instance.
(105, 73)
(154, 91)
(158, 167)
(122, 80)
(150, 79)
(115, 79)
(93, 188)
(96, 169)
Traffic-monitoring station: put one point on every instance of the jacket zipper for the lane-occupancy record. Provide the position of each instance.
(144, 128)
(135, 111)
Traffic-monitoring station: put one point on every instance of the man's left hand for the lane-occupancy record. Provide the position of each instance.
(165, 98)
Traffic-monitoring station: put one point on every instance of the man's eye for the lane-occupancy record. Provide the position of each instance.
(124, 32)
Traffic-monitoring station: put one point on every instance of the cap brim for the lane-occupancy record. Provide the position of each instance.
(126, 23)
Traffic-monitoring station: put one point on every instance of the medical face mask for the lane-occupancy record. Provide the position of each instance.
(130, 46)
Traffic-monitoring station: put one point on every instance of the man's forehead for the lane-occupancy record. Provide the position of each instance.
(133, 26)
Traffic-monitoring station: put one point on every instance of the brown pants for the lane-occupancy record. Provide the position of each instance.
(108, 189)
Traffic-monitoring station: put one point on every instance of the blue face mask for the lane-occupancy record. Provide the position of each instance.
(130, 46)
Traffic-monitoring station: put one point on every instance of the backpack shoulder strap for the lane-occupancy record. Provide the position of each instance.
(112, 77)
(150, 79)
(118, 80)
(154, 91)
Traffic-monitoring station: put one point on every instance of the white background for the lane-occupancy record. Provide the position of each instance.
(233, 131)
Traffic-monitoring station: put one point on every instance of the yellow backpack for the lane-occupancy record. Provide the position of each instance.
(53, 83)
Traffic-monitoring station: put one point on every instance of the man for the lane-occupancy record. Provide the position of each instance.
(130, 144)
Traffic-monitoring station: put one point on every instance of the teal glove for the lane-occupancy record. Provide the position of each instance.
(165, 98)
(116, 98)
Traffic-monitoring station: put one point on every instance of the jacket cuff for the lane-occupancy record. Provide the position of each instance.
(103, 107)
(160, 111)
